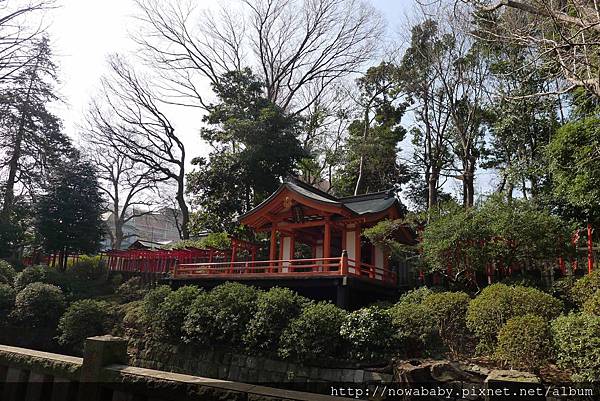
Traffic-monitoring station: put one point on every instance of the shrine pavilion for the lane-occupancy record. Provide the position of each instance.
(315, 247)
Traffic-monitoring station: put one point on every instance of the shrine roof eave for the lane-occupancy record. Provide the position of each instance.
(327, 205)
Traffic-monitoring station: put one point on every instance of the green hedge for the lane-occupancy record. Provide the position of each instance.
(524, 342)
(274, 311)
(7, 273)
(448, 311)
(83, 319)
(577, 345)
(585, 287)
(39, 305)
(221, 315)
(369, 333)
(497, 303)
(414, 329)
(131, 290)
(171, 313)
(7, 302)
(31, 274)
(314, 334)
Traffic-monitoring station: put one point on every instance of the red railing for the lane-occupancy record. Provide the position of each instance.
(286, 268)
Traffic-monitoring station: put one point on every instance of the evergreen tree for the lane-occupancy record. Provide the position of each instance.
(31, 140)
(255, 145)
(68, 214)
(371, 161)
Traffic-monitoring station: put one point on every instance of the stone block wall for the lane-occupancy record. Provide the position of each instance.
(223, 365)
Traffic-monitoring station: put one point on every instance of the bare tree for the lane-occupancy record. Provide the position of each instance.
(299, 48)
(131, 121)
(564, 34)
(17, 32)
(129, 185)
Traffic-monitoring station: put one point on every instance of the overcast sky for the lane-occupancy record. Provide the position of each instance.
(84, 32)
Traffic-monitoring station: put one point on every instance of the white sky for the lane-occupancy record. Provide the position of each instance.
(84, 32)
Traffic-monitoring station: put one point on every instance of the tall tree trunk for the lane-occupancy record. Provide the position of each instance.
(432, 190)
(13, 164)
(362, 157)
(185, 213)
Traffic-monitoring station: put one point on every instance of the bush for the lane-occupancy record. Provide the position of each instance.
(368, 332)
(39, 305)
(129, 319)
(531, 300)
(221, 315)
(7, 273)
(274, 311)
(131, 290)
(585, 287)
(592, 304)
(151, 303)
(31, 274)
(172, 311)
(314, 334)
(415, 296)
(577, 345)
(449, 311)
(497, 303)
(89, 268)
(524, 342)
(81, 320)
(415, 330)
(562, 288)
(7, 301)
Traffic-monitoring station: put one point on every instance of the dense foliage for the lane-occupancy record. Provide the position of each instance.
(577, 344)
(39, 305)
(368, 332)
(221, 315)
(274, 309)
(314, 334)
(496, 231)
(524, 342)
(81, 320)
(491, 309)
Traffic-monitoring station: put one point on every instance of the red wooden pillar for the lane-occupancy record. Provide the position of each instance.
(327, 240)
(272, 247)
(357, 255)
(590, 246)
(233, 252)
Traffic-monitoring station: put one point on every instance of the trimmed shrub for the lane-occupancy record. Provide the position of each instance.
(497, 303)
(314, 334)
(415, 330)
(415, 296)
(129, 319)
(83, 319)
(585, 287)
(31, 274)
(368, 332)
(39, 305)
(524, 342)
(274, 310)
(449, 311)
(131, 290)
(89, 268)
(577, 345)
(172, 311)
(531, 300)
(7, 273)
(151, 303)
(221, 315)
(7, 301)
(561, 289)
(592, 304)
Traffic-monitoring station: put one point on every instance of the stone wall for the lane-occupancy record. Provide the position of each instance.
(224, 365)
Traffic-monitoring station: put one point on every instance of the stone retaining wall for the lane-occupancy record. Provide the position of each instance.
(238, 367)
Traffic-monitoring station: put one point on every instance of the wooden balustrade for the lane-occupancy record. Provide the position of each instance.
(313, 267)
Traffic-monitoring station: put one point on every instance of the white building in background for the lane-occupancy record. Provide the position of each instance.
(159, 227)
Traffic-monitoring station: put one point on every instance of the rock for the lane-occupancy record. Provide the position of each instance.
(411, 372)
(514, 385)
(446, 372)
